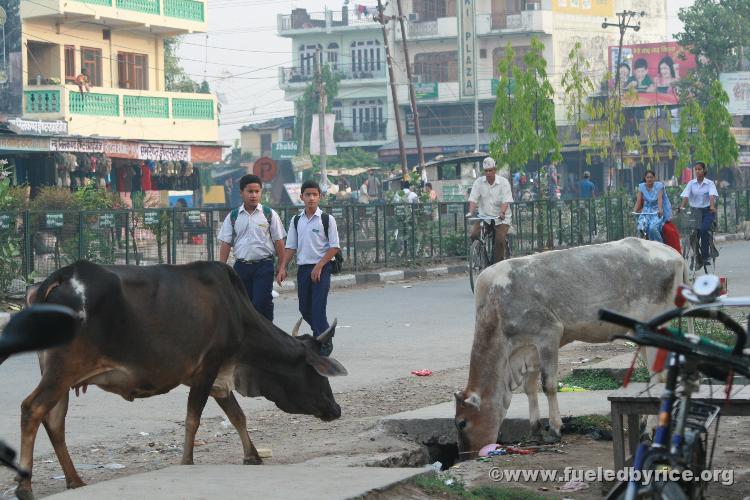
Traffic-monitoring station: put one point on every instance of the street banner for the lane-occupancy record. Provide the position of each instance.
(11, 78)
(651, 71)
(594, 8)
(284, 150)
(330, 120)
(737, 87)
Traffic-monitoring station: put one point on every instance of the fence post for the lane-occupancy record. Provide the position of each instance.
(377, 234)
(385, 235)
(440, 229)
(127, 237)
(355, 227)
(413, 232)
(81, 246)
(28, 267)
(173, 236)
(724, 207)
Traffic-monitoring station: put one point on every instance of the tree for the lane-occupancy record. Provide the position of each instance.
(691, 143)
(723, 147)
(512, 117)
(717, 33)
(577, 86)
(175, 77)
(307, 105)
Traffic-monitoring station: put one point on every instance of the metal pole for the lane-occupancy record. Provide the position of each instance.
(394, 94)
(321, 119)
(412, 94)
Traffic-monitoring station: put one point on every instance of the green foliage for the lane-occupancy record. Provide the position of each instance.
(446, 486)
(691, 142)
(91, 198)
(523, 125)
(349, 158)
(10, 248)
(53, 198)
(723, 147)
(175, 77)
(577, 86)
(657, 132)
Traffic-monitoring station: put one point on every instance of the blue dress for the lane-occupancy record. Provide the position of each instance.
(652, 224)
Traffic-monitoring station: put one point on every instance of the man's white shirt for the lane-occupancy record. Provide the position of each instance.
(490, 197)
(698, 193)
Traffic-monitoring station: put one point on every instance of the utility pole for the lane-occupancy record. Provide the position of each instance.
(321, 119)
(412, 94)
(389, 61)
(623, 24)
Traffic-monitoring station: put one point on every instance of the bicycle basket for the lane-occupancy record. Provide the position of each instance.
(700, 415)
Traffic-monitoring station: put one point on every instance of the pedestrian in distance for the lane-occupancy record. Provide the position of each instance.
(314, 238)
(492, 196)
(255, 234)
(586, 188)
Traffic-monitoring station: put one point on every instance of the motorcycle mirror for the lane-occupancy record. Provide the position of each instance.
(707, 287)
(37, 328)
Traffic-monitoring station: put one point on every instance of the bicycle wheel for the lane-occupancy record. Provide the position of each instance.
(477, 261)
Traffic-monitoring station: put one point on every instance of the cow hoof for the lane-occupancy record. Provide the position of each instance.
(253, 461)
(552, 437)
(76, 483)
(24, 493)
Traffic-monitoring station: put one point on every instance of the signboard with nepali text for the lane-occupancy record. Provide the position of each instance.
(649, 72)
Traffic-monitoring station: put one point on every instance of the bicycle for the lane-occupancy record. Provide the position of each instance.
(681, 438)
(482, 249)
(691, 244)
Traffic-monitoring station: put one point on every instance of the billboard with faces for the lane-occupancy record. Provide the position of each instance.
(649, 72)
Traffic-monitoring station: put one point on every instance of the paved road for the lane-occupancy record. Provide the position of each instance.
(384, 333)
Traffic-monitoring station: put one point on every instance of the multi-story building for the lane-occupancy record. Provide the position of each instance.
(125, 110)
(446, 118)
(352, 46)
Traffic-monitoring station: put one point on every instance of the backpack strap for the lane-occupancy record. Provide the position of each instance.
(296, 222)
(233, 219)
(324, 219)
(269, 215)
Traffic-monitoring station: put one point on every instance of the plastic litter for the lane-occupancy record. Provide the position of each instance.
(114, 466)
(512, 450)
(484, 451)
(448, 482)
(422, 373)
(437, 466)
(574, 485)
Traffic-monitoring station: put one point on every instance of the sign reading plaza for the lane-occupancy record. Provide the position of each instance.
(467, 46)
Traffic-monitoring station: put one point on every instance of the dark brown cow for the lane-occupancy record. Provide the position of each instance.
(145, 330)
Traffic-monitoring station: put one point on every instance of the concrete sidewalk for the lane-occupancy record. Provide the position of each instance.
(281, 482)
(436, 423)
(363, 278)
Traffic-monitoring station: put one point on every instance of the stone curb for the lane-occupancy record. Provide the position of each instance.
(354, 279)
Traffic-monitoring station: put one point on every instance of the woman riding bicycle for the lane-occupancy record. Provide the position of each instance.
(701, 194)
(654, 206)
(492, 194)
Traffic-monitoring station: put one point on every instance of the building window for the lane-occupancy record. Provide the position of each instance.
(307, 58)
(518, 54)
(366, 56)
(91, 61)
(336, 108)
(430, 10)
(436, 67)
(332, 55)
(265, 144)
(70, 64)
(501, 9)
(132, 70)
(367, 118)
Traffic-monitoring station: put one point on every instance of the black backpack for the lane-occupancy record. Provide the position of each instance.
(337, 263)
(236, 213)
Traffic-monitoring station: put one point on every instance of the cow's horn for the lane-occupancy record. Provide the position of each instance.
(295, 330)
(328, 334)
(473, 400)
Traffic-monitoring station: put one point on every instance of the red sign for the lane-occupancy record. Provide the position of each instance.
(652, 71)
(205, 154)
(265, 168)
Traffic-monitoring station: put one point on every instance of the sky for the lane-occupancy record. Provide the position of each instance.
(241, 53)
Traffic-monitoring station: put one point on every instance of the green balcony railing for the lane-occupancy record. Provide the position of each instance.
(145, 107)
(94, 104)
(193, 109)
(145, 6)
(185, 9)
(42, 101)
(107, 3)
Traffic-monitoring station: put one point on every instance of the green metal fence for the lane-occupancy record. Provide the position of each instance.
(33, 244)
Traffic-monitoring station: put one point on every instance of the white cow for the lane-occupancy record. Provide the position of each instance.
(527, 307)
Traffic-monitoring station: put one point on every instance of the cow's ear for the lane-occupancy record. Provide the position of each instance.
(328, 367)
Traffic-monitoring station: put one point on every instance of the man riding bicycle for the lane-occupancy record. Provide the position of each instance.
(701, 193)
(492, 194)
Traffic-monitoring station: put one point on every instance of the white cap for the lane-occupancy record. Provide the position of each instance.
(488, 163)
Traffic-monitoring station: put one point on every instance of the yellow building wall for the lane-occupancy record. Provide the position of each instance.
(250, 140)
(597, 8)
(138, 42)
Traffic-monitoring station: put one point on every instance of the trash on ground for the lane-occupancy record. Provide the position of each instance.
(485, 450)
(574, 485)
(448, 482)
(58, 478)
(512, 450)
(581, 361)
(422, 373)
(265, 452)
(114, 466)
(143, 433)
(406, 286)
(437, 466)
